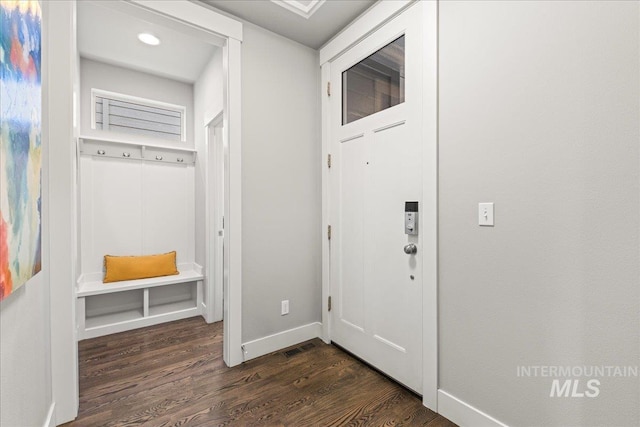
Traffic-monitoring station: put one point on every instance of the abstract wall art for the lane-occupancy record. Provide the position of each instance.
(20, 143)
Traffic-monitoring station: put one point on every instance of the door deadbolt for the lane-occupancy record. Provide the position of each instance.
(411, 218)
(410, 249)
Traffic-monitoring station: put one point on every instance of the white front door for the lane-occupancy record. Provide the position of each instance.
(376, 149)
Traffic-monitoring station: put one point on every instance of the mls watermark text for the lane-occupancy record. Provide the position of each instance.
(578, 380)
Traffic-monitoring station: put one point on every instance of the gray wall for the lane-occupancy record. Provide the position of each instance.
(281, 198)
(99, 75)
(539, 113)
(25, 355)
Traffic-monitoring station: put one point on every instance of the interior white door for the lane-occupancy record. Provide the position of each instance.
(376, 287)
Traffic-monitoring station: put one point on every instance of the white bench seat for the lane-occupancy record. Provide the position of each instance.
(99, 314)
(88, 288)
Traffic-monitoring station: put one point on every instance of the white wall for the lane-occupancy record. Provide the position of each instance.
(25, 336)
(113, 78)
(281, 203)
(539, 113)
(135, 207)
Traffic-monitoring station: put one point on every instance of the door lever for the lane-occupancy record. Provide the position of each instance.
(410, 249)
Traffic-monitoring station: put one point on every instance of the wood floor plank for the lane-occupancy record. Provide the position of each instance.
(173, 375)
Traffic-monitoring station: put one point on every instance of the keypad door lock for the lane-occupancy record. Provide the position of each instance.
(411, 218)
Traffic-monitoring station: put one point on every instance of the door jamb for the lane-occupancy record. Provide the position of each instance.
(325, 77)
(217, 196)
(368, 23)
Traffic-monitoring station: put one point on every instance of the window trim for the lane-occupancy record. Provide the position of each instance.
(95, 93)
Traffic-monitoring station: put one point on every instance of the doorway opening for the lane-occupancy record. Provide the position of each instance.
(140, 176)
(153, 193)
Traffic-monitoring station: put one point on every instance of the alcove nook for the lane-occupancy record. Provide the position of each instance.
(145, 116)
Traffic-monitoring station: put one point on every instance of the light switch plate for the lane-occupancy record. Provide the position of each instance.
(485, 214)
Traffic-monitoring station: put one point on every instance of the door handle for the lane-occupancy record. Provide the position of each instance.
(410, 249)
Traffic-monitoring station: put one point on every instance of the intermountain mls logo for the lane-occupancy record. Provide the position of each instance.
(576, 381)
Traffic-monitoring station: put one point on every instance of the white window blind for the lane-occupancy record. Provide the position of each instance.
(127, 114)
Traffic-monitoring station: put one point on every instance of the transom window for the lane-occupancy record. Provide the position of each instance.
(375, 83)
(122, 113)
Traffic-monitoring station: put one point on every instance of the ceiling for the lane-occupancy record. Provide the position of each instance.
(108, 30)
(310, 22)
(110, 35)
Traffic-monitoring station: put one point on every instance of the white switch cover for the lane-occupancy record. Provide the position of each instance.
(284, 309)
(485, 214)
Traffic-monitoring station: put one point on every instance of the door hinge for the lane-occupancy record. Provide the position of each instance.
(329, 232)
(329, 161)
(329, 304)
(328, 88)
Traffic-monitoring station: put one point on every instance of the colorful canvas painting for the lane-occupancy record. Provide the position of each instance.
(20, 143)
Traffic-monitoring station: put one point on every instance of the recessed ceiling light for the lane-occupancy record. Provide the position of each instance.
(149, 39)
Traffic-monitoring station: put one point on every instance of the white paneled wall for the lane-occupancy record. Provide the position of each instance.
(135, 207)
(168, 209)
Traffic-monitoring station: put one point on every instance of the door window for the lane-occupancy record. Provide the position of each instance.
(375, 83)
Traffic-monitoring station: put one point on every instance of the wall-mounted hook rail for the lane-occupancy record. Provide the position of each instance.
(130, 150)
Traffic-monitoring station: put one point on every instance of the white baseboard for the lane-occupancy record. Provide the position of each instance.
(205, 313)
(197, 267)
(464, 414)
(50, 421)
(275, 342)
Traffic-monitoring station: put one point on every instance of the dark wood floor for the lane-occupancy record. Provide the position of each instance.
(173, 375)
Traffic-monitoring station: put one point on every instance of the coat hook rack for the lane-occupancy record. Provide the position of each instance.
(131, 150)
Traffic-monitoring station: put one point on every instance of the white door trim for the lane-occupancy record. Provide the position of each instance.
(59, 96)
(430, 205)
(377, 16)
(197, 15)
(231, 64)
(325, 78)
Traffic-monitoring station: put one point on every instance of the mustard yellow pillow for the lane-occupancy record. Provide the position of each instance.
(118, 268)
